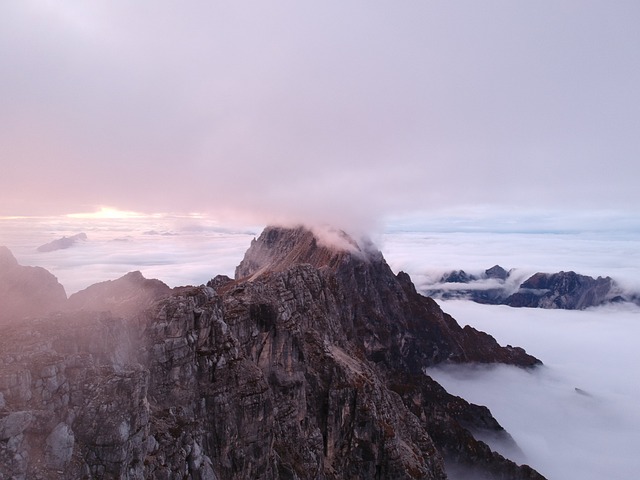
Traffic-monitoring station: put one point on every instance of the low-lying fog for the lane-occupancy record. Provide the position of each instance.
(178, 251)
(578, 417)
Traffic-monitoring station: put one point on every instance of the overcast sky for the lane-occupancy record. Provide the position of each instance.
(337, 111)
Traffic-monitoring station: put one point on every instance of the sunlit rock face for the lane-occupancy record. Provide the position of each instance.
(308, 365)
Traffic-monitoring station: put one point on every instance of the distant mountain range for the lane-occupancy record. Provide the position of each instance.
(62, 243)
(497, 286)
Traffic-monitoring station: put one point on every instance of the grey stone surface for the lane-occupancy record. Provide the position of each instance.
(308, 365)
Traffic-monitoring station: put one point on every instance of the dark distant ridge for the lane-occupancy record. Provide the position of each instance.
(310, 364)
(62, 243)
(562, 290)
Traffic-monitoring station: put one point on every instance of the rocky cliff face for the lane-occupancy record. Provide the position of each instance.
(308, 365)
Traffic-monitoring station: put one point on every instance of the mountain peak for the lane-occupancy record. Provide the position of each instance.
(7, 260)
(26, 291)
(279, 248)
(312, 365)
(125, 295)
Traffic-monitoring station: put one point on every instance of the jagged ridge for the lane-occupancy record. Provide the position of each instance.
(310, 369)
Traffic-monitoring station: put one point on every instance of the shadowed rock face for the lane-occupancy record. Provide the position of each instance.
(62, 243)
(125, 296)
(375, 308)
(496, 272)
(565, 290)
(308, 365)
(26, 291)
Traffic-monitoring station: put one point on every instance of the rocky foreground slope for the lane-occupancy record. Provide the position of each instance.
(309, 364)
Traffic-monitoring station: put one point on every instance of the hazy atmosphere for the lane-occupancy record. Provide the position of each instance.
(565, 434)
(332, 111)
(457, 135)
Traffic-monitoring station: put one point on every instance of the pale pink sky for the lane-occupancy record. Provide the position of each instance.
(326, 109)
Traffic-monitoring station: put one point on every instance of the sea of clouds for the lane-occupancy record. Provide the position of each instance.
(577, 417)
(176, 250)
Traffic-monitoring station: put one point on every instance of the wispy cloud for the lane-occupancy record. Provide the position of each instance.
(426, 255)
(595, 428)
(191, 248)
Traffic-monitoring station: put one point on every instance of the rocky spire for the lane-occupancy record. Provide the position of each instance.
(380, 309)
(309, 365)
(279, 248)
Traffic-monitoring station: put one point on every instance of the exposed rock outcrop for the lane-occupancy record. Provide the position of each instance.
(125, 296)
(457, 276)
(308, 365)
(26, 291)
(496, 272)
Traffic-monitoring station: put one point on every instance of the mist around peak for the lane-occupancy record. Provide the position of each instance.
(62, 243)
(280, 247)
(332, 230)
(169, 371)
(605, 367)
(25, 290)
(126, 295)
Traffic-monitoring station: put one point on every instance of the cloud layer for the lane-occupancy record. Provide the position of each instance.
(176, 250)
(192, 249)
(590, 433)
(335, 112)
(578, 416)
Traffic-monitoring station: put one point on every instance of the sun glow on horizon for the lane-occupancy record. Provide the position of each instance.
(109, 213)
(13, 217)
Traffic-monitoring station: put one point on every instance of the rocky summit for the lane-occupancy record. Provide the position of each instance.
(308, 365)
